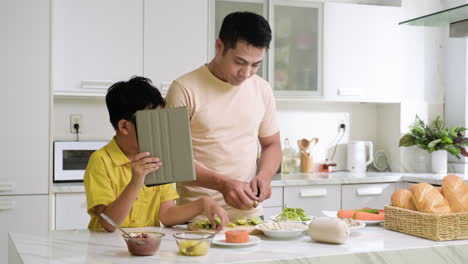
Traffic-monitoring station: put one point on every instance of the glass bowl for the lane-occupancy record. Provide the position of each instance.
(143, 243)
(193, 243)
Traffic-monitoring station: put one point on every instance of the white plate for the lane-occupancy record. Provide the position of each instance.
(296, 231)
(220, 240)
(332, 214)
(307, 222)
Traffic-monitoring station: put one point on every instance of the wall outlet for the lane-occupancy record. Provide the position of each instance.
(75, 119)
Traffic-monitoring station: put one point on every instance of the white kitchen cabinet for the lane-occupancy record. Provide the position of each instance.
(296, 56)
(313, 198)
(24, 104)
(293, 65)
(175, 39)
(70, 211)
(376, 195)
(96, 43)
(362, 52)
(220, 9)
(26, 214)
(274, 205)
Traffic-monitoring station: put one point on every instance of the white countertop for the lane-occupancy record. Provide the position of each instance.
(373, 244)
(294, 179)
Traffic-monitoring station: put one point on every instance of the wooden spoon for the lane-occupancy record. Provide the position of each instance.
(303, 144)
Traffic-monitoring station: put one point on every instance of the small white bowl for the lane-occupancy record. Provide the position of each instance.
(282, 229)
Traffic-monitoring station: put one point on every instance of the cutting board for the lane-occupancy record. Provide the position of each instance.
(249, 228)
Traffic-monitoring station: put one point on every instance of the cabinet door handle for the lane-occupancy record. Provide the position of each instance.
(369, 191)
(313, 192)
(96, 84)
(6, 205)
(6, 187)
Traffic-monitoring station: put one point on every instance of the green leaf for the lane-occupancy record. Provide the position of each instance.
(372, 211)
(407, 140)
(453, 150)
(434, 143)
(447, 140)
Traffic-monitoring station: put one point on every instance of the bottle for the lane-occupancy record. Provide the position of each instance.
(288, 162)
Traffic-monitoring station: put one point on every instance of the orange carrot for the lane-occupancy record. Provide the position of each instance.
(345, 213)
(237, 236)
(368, 216)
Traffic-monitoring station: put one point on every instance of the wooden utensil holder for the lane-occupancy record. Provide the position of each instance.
(307, 162)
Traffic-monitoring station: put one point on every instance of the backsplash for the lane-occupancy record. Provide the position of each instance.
(297, 119)
(321, 125)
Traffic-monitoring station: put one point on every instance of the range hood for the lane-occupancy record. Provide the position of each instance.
(456, 18)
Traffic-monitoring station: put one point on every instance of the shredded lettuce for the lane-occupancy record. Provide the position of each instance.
(292, 214)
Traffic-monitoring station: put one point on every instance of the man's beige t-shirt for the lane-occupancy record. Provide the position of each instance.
(225, 123)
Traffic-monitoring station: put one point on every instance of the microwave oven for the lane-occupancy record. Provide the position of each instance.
(71, 159)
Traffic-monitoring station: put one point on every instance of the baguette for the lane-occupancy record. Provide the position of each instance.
(403, 198)
(456, 193)
(428, 199)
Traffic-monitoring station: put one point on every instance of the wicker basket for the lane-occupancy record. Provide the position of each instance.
(430, 226)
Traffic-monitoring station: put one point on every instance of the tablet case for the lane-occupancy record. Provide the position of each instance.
(165, 133)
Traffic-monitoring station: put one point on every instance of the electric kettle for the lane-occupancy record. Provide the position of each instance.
(360, 155)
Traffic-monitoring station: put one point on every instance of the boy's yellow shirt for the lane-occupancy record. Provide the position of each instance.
(108, 173)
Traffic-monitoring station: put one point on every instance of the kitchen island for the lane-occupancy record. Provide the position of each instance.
(372, 244)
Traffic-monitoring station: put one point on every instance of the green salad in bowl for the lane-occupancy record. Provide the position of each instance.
(292, 215)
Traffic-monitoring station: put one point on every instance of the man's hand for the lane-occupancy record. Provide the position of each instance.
(211, 209)
(261, 187)
(238, 194)
(142, 165)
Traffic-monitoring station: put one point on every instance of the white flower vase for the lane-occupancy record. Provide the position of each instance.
(439, 161)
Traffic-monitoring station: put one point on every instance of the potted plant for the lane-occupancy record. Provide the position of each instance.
(437, 140)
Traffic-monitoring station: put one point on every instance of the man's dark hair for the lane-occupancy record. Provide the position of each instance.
(247, 26)
(123, 99)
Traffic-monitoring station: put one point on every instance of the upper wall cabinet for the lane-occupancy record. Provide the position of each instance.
(362, 52)
(293, 66)
(221, 8)
(96, 43)
(175, 39)
(296, 56)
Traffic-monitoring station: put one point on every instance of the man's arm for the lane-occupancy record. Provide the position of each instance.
(270, 160)
(236, 193)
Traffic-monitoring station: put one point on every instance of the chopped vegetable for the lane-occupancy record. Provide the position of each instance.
(255, 220)
(292, 214)
(231, 224)
(241, 221)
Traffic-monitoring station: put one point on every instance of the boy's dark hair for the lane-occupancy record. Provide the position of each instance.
(246, 26)
(123, 99)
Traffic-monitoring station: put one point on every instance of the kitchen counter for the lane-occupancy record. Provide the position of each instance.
(294, 179)
(373, 244)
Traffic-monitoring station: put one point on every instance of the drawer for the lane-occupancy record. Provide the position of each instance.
(367, 195)
(276, 198)
(313, 198)
(70, 211)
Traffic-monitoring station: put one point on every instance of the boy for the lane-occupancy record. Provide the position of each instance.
(114, 178)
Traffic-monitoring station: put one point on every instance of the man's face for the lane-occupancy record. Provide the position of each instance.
(239, 63)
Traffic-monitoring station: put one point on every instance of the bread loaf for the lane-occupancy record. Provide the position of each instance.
(428, 199)
(403, 198)
(456, 193)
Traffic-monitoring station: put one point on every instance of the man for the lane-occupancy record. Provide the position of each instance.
(231, 109)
